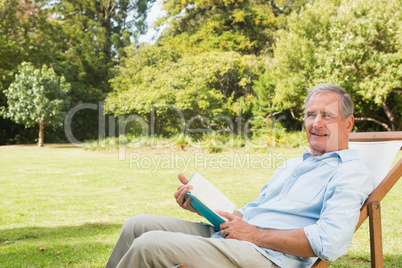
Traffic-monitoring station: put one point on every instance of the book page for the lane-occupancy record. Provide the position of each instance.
(211, 196)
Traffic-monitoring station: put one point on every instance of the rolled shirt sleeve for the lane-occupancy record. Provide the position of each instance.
(331, 235)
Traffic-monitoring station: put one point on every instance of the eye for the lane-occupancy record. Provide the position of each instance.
(311, 115)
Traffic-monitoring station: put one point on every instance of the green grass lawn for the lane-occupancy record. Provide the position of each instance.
(63, 206)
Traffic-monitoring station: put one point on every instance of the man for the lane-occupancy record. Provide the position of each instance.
(309, 208)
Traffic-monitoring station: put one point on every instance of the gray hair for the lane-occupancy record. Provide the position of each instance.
(346, 101)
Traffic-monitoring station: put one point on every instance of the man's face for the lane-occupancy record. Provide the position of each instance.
(326, 131)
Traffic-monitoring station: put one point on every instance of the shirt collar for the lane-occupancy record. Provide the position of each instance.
(344, 155)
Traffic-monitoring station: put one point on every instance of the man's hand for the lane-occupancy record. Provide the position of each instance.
(287, 241)
(181, 192)
(236, 228)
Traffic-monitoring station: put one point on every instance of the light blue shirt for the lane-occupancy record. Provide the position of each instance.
(321, 194)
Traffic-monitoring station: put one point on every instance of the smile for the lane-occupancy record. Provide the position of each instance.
(319, 134)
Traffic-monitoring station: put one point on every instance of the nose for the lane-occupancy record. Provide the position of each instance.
(318, 122)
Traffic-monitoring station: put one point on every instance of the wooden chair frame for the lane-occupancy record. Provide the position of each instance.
(371, 208)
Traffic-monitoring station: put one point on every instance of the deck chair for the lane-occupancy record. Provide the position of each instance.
(378, 151)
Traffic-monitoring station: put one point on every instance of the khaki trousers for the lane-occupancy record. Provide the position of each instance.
(156, 241)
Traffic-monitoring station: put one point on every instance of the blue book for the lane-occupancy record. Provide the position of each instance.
(206, 199)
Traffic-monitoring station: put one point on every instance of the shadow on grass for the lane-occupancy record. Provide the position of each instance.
(50, 233)
(88, 245)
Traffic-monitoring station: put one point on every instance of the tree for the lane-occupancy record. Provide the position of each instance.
(243, 26)
(263, 108)
(95, 34)
(205, 63)
(207, 84)
(357, 45)
(37, 97)
(26, 34)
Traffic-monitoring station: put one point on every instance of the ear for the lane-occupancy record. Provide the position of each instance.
(349, 123)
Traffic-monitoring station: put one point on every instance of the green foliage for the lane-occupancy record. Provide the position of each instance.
(263, 108)
(264, 89)
(182, 143)
(96, 33)
(357, 46)
(10, 50)
(37, 96)
(88, 29)
(24, 36)
(207, 84)
(202, 26)
(28, 32)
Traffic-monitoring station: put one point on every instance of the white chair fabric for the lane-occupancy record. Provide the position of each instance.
(377, 156)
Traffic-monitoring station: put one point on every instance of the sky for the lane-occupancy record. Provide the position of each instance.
(154, 14)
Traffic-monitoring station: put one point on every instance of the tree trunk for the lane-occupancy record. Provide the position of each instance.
(389, 114)
(41, 134)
